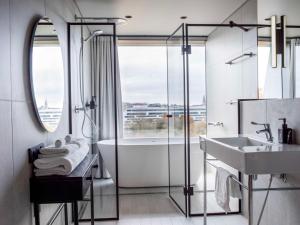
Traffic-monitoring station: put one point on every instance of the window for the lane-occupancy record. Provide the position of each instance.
(297, 71)
(197, 90)
(143, 72)
(144, 93)
(262, 65)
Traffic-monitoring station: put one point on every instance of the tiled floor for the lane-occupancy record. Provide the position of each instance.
(150, 207)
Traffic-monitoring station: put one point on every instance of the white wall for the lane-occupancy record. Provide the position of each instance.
(290, 8)
(19, 128)
(227, 83)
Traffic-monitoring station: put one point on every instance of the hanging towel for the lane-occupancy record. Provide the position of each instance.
(235, 189)
(60, 165)
(225, 187)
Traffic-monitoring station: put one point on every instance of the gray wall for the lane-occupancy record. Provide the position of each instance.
(19, 128)
(282, 207)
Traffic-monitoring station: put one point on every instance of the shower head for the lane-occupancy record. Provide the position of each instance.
(93, 34)
(116, 20)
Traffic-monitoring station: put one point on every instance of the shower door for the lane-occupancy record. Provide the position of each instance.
(176, 119)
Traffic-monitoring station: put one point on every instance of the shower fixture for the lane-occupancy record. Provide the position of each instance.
(93, 34)
(233, 24)
(116, 20)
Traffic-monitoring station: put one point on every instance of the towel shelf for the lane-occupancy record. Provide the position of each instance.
(231, 177)
(249, 187)
(63, 189)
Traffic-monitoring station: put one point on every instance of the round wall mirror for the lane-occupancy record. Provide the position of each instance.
(47, 74)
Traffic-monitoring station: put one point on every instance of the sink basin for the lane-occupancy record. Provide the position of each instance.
(253, 156)
(241, 142)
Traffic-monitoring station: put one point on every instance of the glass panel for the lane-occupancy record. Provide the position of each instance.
(207, 62)
(197, 120)
(176, 105)
(88, 69)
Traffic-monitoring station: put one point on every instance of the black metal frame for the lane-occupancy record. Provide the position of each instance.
(33, 155)
(184, 211)
(187, 26)
(230, 25)
(113, 25)
(33, 102)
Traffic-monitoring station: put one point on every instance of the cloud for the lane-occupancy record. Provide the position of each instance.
(144, 74)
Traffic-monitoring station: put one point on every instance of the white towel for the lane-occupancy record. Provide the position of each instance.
(60, 165)
(224, 188)
(42, 156)
(65, 149)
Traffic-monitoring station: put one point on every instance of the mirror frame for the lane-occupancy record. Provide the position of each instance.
(30, 50)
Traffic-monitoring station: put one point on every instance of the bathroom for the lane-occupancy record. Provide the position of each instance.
(150, 86)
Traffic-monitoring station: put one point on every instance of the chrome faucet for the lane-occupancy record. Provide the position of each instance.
(267, 130)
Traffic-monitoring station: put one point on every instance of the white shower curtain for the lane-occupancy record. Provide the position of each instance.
(104, 87)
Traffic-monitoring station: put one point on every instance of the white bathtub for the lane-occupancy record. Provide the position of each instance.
(143, 162)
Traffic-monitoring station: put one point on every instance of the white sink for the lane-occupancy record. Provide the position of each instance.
(252, 156)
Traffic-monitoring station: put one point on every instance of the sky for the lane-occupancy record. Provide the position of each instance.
(144, 74)
(48, 76)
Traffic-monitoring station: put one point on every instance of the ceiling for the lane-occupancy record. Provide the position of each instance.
(160, 17)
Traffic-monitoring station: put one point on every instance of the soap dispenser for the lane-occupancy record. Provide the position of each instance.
(285, 133)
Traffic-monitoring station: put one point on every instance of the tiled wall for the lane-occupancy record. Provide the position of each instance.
(19, 128)
(282, 207)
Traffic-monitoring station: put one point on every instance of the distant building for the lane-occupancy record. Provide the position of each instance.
(49, 115)
(137, 111)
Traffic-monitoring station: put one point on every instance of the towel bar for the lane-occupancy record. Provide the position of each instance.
(250, 189)
(231, 177)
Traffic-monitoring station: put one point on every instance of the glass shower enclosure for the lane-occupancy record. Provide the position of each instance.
(187, 120)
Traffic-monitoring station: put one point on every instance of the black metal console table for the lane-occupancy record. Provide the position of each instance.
(63, 189)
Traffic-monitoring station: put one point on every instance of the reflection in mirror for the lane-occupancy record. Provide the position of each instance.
(47, 74)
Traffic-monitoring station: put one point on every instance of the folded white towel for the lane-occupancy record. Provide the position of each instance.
(42, 156)
(48, 172)
(60, 165)
(225, 187)
(50, 150)
(68, 138)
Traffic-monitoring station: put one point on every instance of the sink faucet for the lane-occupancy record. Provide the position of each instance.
(267, 130)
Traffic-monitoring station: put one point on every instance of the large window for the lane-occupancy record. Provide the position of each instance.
(143, 72)
(262, 65)
(297, 71)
